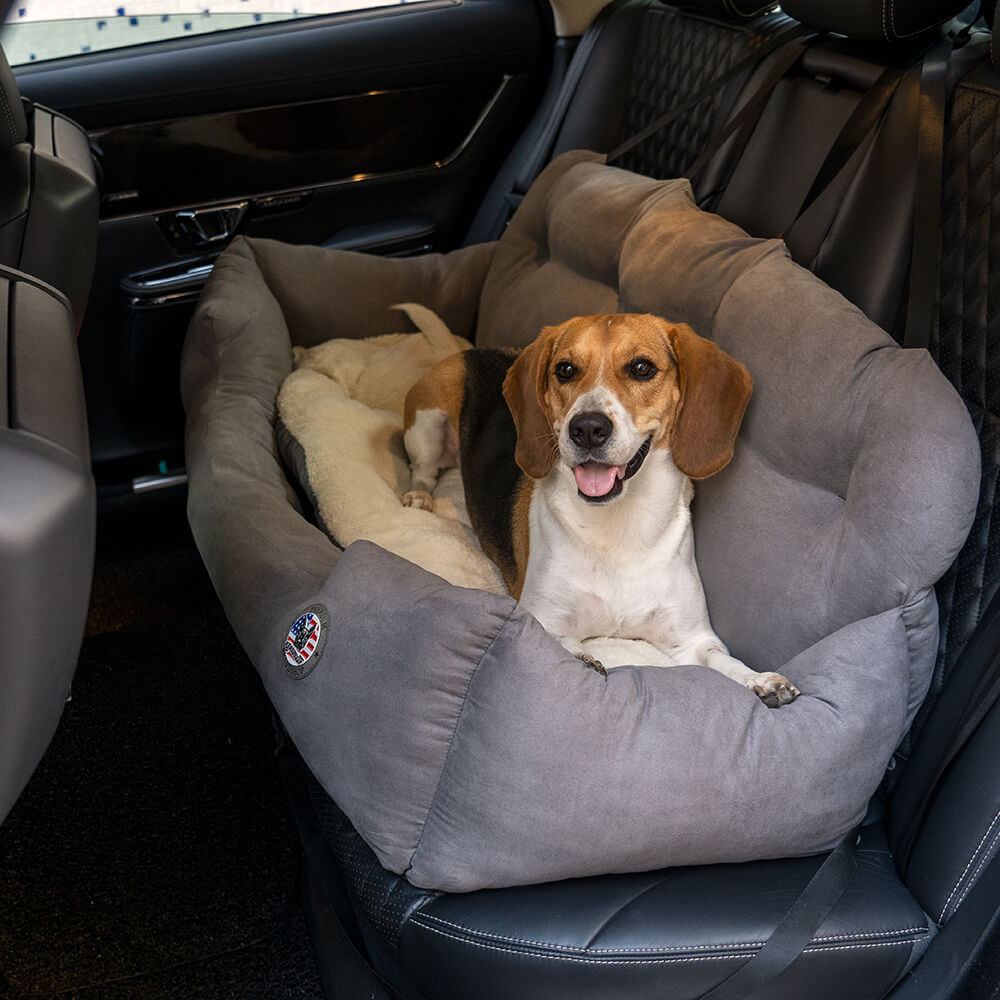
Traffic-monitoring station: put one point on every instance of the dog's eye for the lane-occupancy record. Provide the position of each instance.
(565, 371)
(642, 369)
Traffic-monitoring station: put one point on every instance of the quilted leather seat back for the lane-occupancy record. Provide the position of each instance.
(675, 57)
(965, 348)
(958, 838)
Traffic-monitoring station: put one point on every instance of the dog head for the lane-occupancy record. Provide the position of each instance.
(600, 392)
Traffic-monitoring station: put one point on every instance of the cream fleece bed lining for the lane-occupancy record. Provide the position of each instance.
(343, 403)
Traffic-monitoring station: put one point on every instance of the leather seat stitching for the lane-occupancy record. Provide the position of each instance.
(736, 12)
(423, 919)
(891, 21)
(14, 138)
(854, 947)
(580, 959)
(984, 857)
(965, 870)
(975, 875)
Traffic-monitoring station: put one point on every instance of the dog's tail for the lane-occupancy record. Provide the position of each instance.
(439, 338)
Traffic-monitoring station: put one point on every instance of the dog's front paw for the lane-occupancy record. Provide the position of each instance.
(590, 661)
(418, 498)
(772, 689)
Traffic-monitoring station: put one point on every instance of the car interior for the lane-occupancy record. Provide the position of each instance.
(166, 826)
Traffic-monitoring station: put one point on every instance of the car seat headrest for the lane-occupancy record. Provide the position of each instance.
(874, 20)
(13, 124)
(732, 10)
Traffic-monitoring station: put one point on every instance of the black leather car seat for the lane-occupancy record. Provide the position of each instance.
(924, 898)
(762, 185)
(645, 57)
(48, 236)
(649, 58)
(49, 200)
(944, 813)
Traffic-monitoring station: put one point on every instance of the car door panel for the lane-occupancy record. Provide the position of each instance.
(214, 157)
(385, 48)
(378, 130)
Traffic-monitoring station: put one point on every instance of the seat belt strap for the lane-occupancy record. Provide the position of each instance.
(534, 149)
(758, 54)
(797, 927)
(865, 117)
(925, 256)
(541, 150)
(745, 120)
(922, 313)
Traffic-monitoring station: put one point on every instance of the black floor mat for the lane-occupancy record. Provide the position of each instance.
(150, 855)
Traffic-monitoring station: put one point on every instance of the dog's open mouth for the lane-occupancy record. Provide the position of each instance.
(597, 483)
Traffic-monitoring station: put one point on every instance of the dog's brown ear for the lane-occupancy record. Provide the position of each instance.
(714, 391)
(524, 390)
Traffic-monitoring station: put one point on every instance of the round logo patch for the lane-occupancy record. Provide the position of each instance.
(305, 641)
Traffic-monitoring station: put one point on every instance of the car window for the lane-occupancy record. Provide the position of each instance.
(47, 29)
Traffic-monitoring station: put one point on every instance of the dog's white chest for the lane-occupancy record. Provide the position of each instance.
(611, 606)
(601, 572)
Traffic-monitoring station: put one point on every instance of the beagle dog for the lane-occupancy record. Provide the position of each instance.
(579, 488)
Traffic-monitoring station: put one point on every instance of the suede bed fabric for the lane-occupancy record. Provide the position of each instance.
(472, 751)
(466, 746)
(263, 556)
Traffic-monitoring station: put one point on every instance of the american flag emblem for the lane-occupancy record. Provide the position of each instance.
(302, 639)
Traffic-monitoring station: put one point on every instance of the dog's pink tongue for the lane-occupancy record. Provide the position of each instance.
(596, 480)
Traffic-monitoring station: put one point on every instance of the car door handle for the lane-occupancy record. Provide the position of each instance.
(207, 227)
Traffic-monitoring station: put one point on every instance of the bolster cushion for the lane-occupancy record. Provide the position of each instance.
(465, 745)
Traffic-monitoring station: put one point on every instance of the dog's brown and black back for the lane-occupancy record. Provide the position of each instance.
(474, 428)
(487, 440)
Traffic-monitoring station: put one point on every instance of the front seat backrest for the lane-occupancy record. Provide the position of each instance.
(49, 199)
(47, 521)
(48, 239)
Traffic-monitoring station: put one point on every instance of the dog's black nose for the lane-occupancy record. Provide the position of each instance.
(590, 430)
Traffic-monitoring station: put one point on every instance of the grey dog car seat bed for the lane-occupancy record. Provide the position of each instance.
(465, 745)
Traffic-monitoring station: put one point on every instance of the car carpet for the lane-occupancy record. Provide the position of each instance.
(151, 855)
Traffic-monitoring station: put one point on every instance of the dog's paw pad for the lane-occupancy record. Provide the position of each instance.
(773, 689)
(589, 661)
(418, 498)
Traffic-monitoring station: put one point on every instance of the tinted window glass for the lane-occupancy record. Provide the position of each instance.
(47, 29)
